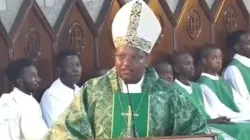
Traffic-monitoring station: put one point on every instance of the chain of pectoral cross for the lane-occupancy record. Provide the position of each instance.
(129, 114)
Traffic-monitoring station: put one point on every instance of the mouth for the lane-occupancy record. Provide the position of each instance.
(126, 71)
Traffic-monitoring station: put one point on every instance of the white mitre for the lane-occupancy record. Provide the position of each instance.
(136, 25)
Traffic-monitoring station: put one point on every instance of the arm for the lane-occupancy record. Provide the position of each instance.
(9, 119)
(74, 122)
(51, 108)
(241, 103)
(233, 76)
(32, 125)
(221, 109)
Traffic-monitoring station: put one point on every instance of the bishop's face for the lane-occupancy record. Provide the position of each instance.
(130, 64)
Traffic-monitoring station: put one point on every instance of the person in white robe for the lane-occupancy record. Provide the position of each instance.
(237, 73)
(222, 98)
(21, 116)
(63, 90)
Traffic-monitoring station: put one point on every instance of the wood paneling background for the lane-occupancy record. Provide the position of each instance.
(191, 25)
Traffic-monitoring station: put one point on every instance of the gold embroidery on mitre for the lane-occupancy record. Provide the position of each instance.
(133, 42)
(131, 38)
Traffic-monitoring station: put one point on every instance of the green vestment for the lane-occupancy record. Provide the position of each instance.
(95, 113)
(238, 131)
(222, 90)
(244, 70)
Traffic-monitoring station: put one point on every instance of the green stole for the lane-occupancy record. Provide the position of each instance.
(244, 70)
(222, 90)
(196, 97)
(122, 121)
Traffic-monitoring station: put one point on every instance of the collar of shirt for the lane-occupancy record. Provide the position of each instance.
(21, 96)
(210, 76)
(133, 88)
(186, 87)
(60, 86)
(244, 60)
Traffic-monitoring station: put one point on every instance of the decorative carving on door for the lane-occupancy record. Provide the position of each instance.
(230, 19)
(76, 37)
(193, 24)
(33, 44)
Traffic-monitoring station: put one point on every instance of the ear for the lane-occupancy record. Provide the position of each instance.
(176, 69)
(237, 47)
(204, 61)
(19, 82)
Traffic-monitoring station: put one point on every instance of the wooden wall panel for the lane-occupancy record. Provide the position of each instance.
(104, 39)
(5, 45)
(229, 15)
(33, 38)
(193, 25)
(75, 29)
(165, 45)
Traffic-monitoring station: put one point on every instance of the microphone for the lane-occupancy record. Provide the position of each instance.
(132, 113)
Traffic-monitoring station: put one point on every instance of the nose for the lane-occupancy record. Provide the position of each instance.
(38, 79)
(127, 62)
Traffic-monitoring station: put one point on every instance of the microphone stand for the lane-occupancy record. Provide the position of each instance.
(132, 113)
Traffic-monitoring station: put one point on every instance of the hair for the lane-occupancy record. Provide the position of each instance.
(62, 55)
(205, 50)
(160, 63)
(177, 57)
(233, 39)
(15, 69)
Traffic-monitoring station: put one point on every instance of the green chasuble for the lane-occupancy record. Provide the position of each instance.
(222, 90)
(97, 111)
(238, 131)
(244, 70)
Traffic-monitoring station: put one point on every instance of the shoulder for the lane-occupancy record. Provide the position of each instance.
(96, 82)
(52, 90)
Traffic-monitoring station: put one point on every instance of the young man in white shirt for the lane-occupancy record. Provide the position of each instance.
(21, 116)
(218, 92)
(62, 91)
(237, 74)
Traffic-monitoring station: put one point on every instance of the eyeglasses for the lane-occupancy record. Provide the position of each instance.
(133, 58)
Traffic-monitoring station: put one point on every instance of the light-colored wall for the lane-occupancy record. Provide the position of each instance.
(52, 8)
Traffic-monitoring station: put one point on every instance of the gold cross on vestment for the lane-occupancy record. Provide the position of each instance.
(129, 119)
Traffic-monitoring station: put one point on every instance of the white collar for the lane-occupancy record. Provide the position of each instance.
(210, 76)
(186, 87)
(58, 84)
(20, 96)
(133, 88)
(244, 60)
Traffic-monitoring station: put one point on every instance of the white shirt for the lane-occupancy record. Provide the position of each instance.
(55, 100)
(133, 88)
(219, 109)
(233, 76)
(21, 117)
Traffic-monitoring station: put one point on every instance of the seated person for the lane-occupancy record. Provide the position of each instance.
(217, 90)
(21, 115)
(62, 91)
(165, 71)
(184, 70)
(237, 74)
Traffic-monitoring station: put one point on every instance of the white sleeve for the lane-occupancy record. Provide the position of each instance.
(233, 76)
(51, 108)
(209, 110)
(220, 108)
(9, 123)
(32, 125)
(241, 103)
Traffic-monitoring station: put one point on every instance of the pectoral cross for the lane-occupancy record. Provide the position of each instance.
(129, 133)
